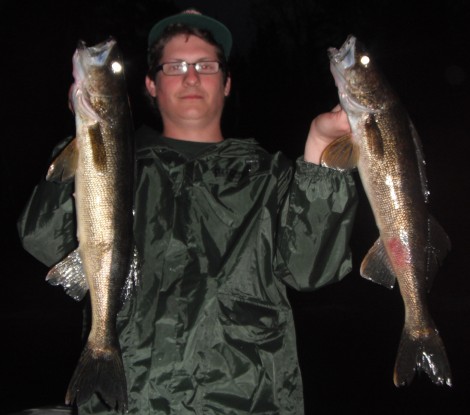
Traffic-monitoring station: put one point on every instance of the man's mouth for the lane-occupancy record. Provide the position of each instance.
(191, 96)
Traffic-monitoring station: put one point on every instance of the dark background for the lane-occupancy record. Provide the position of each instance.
(347, 333)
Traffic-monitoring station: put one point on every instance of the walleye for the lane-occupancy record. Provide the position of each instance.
(101, 159)
(386, 149)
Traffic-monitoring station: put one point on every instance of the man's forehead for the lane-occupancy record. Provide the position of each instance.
(189, 45)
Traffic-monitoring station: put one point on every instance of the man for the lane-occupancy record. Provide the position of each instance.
(221, 226)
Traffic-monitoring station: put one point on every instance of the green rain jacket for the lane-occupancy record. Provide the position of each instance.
(209, 329)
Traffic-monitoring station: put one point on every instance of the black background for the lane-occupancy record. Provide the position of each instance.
(347, 333)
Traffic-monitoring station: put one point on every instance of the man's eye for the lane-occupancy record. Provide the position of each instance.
(176, 67)
(207, 67)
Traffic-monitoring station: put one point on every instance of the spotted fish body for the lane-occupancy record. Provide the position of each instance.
(100, 159)
(386, 149)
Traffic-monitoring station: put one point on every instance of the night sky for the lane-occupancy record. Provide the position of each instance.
(348, 333)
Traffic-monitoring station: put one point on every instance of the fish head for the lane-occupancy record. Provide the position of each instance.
(99, 70)
(361, 85)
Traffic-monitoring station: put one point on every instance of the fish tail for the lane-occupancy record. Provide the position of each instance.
(101, 372)
(425, 353)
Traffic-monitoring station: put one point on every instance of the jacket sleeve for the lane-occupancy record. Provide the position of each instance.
(316, 222)
(46, 226)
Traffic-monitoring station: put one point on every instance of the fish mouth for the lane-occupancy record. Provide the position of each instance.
(344, 56)
(341, 60)
(101, 58)
(93, 59)
(96, 55)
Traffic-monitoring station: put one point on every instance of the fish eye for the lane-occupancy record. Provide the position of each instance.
(365, 60)
(116, 67)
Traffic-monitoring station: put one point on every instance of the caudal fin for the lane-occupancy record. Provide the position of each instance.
(427, 354)
(101, 372)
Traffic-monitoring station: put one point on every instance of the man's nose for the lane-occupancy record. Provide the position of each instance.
(192, 76)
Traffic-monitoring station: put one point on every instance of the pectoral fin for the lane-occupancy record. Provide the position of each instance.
(376, 266)
(341, 154)
(97, 146)
(64, 165)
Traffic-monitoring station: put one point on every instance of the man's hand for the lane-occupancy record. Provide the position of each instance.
(324, 129)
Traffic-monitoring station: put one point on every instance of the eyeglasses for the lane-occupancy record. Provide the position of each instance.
(180, 68)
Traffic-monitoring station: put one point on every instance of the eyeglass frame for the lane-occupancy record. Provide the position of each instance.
(159, 68)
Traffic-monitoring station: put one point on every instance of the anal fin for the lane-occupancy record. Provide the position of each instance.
(376, 266)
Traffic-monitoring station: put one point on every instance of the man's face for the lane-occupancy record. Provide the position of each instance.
(192, 97)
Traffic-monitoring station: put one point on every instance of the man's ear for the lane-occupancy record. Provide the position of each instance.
(151, 87)
(228, 85)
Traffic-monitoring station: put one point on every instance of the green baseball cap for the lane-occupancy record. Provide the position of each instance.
(193, 18)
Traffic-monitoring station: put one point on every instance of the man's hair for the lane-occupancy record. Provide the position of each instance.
(155, 51)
